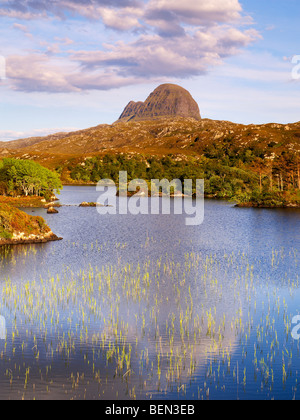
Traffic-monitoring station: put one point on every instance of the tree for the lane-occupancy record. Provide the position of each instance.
(25, 177)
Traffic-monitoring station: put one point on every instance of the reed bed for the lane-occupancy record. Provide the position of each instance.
(203, 327)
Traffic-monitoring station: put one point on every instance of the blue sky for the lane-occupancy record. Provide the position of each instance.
(73, 65)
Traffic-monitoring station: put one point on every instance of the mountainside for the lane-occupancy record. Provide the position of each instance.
(165, 137)
(159, 137)
(15, 144)
(166, 101)
(168, 122)
(255, 165)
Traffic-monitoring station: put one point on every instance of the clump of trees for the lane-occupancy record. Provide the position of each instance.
(27, 178)
(221, 180)
(278, 180)
(243, 175)
(275, 172)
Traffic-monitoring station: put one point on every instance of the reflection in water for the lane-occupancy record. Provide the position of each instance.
(149, 327)
(144, 307)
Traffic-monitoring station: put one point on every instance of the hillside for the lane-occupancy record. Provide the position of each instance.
(28, 141)
(166, 137)
(177, 136)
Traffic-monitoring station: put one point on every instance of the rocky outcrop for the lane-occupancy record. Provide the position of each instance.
(52, 210)
(166, 101)
(85, 204)
(17, 227)
(18, 239)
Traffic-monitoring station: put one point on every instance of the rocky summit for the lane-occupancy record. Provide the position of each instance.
(167, 100)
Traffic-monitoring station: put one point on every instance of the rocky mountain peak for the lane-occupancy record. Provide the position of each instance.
(167, 100)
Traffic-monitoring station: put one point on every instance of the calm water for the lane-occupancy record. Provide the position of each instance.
(146, 307)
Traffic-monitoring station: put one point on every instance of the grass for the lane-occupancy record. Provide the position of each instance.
(14, 221)
(34, 202)
(5, 234)
(154, 328)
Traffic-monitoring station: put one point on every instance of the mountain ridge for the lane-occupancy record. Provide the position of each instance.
(167, 100)
(167, 123)
(157, 137)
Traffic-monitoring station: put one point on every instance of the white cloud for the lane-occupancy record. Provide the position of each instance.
(36, 9)
(197, 12)
(123, 20)
(38, 72)
(21, 27)
(152, 55)
(171, 39)
(9, 135)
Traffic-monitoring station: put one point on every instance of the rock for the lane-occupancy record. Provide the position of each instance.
(32, 239)
(166, 101)
(51, 204)
(85, 204)
(52, 210)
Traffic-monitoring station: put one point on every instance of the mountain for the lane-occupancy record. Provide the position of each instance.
(168, 122)
(167, 100)
(177, 136)
(15, 144)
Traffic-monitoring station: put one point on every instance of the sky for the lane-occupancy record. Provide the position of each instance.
(70, 64)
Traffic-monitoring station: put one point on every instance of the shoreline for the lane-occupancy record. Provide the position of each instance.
(18, 227)
(40, 203)
(28, 202)
(50, 237)
(262, 206)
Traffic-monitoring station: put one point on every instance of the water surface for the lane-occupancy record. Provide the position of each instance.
(146, 307)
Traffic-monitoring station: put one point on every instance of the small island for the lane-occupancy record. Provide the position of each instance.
(24, 183)
(272, 200)
(17, 227)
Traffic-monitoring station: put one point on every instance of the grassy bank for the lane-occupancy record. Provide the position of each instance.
(17, 226)
(276, 199)
(23, 202)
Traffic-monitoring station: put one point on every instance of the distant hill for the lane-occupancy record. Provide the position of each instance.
(167, 100)
(16, 144)
(255, 165)
(167, 123)
(164, 136)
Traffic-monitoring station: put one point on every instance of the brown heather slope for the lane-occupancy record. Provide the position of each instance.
(17, 227)
(178, 136)
(28, 142)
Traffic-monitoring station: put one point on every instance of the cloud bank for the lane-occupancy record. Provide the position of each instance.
(9, 135)
(169, 39)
